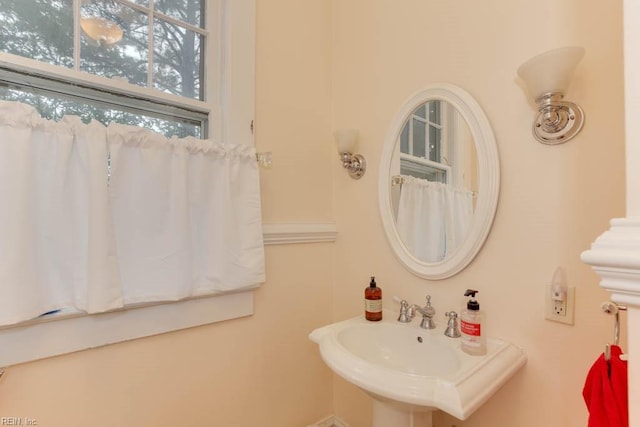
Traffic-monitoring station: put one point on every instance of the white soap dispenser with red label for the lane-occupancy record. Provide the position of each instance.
(473, 339)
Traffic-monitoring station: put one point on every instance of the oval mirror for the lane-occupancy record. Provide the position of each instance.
(439, 181)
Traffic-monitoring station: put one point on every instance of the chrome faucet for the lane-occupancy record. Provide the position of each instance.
(407, 312)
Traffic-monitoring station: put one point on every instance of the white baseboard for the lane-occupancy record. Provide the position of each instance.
(331, 421)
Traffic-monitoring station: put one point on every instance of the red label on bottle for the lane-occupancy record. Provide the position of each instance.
(472, 329)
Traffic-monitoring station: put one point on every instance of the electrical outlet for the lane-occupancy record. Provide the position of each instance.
(560, 311)
(559, 308)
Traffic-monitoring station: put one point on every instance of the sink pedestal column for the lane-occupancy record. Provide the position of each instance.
(386, 415)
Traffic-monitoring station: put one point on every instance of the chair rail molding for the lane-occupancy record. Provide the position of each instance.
(299, 232)
(615, 257)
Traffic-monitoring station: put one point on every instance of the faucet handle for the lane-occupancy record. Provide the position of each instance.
(452, 330)
(404, 316)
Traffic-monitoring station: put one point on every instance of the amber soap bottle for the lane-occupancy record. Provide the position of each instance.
(373, 301)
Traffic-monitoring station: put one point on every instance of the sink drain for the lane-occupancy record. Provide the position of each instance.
(419, 339)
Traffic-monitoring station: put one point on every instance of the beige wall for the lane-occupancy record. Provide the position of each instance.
(553, 202)
(256, 371)
(331, 64)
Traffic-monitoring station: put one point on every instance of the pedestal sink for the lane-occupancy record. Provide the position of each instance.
(411, 372)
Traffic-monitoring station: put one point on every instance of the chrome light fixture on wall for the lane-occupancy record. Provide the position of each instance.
(346, 141)
(547, 77)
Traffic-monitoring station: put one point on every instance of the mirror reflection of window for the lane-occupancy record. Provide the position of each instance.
(436, 145)
(422, 148)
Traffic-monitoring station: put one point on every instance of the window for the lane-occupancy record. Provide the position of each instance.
(59, 66)
(151, 54)
(422, 146)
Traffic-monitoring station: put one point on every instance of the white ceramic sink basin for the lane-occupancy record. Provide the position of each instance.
(417, 368)
(402, 349)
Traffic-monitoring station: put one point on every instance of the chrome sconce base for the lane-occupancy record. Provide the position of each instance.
(355, 164)
(346, 141)
(547, 77)
(557, 121)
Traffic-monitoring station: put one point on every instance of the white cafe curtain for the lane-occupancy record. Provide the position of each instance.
(433, 218)
(187, 214)
(178, 218)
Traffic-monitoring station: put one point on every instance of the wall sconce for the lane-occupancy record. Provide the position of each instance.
(547, 77)
(346, 141)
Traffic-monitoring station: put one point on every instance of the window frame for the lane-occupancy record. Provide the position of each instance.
(229, 102)
(38, 83)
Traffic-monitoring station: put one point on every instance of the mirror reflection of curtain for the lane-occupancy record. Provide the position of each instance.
(421, 218)
(459, 216)
(433, 218)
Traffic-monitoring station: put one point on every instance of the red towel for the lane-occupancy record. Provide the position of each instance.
(606, 395)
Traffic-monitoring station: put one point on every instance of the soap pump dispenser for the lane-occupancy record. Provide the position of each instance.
(373, 301)
(473, 339)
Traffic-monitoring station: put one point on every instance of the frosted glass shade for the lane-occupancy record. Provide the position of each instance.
(551, 71)
(102, 30)
(346, 140)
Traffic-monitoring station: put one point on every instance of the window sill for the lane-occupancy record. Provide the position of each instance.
(67, 333)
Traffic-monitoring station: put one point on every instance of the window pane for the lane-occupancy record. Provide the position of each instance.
(177, 60)
(435, 143)
(434, 112)
(114, 41)
(421, 111)
(419, 139)
(189, 11)
(404, 139)
(38, 29)
(55, 107)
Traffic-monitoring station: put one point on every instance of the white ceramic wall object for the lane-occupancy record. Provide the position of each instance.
(415, 368)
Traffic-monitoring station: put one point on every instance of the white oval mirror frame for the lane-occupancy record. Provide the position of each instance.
(488, 181)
